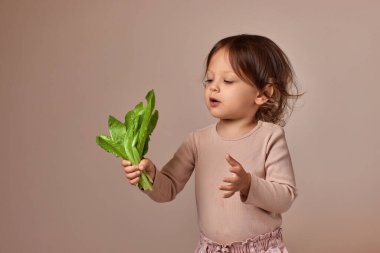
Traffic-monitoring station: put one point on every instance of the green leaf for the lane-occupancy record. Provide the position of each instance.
(128, 150)
(128, 119)
(136, 155)
(131, 122)
(146, 147)
(150, 97)
(117, 129)
(134, 141)
(110, 146)
(152, 122)
(139, 108)
(138, 122)
(132, 114)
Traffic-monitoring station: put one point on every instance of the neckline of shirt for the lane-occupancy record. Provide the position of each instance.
(215, 132)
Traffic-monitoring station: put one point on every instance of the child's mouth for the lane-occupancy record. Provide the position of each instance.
(214, 102)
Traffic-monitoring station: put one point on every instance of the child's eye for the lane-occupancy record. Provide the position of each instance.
(207, 81)
(228, 82)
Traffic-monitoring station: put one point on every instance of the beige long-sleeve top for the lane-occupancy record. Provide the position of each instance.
(263, 152)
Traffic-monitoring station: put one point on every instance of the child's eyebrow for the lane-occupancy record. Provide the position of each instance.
(223, 71)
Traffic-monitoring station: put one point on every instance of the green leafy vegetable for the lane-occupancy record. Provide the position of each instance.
(129, 140)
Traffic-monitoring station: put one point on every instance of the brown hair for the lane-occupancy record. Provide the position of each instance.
(258, 61)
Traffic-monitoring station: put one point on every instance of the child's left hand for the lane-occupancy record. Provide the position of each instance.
(239, 181)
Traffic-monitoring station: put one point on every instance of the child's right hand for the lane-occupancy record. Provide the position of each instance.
(133, 172)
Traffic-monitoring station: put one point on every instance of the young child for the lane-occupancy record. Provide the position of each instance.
(244, 178)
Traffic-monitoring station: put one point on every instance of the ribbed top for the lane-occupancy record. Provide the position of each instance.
(262, 152)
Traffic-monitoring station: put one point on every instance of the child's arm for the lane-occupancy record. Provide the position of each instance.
(277, 191)
(168, 182)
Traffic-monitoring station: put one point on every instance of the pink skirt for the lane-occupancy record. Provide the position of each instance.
(267, 243)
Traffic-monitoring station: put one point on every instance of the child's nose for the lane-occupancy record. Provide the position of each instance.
(214, 86)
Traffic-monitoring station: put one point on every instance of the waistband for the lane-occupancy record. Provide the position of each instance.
(256, 244)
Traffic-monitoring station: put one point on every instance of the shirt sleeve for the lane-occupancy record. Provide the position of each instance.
(276, 192)
(174, 175)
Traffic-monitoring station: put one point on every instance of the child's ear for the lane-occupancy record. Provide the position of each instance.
(264, 95)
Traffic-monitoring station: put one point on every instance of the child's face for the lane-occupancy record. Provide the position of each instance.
(226, 95)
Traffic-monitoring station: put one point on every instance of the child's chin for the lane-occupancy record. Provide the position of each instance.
(217, 115)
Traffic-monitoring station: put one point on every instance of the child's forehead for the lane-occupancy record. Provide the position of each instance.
(211, 71)
(220, 63)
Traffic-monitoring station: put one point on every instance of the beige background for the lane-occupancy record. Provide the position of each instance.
(66, 65)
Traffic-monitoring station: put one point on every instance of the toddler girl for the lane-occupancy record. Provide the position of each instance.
(244, 178)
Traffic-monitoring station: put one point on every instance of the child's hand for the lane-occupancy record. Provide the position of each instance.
(240, 180)
(132, 172)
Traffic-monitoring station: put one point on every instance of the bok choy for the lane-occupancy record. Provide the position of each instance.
(129, 140)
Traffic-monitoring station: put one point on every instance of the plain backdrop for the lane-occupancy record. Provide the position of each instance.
(66, 65)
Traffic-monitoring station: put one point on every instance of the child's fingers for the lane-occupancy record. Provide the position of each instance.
(148, 166)
(227, 188)
(133, 175)
(126, 163)
(130, 169)
(238, 170)
(231, 180)
(229, 194)
(134, 181)
(144, 164)
(232, 161)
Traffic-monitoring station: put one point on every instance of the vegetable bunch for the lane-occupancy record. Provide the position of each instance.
(130, 140)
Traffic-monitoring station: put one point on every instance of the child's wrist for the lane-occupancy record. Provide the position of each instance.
(247, 186)
(154, 171)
